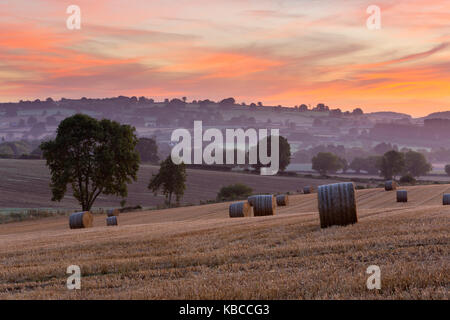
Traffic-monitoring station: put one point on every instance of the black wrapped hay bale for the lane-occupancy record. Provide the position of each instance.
(402, 196)
(240, 210)
(111, 221)
(446, 199)
(337, 204)
(251, 200)
(390, 185)
(308, 189)
(80, 220)
(282, 200)
(264, 205)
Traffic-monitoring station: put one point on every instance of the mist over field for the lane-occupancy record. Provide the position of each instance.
(225, 150)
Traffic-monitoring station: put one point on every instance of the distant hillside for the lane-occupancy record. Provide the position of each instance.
(389, 115)
(439, 115)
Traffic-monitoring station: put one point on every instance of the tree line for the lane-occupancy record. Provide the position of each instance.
(392, 164)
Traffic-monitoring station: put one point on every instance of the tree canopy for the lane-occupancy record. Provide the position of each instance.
(93, 157)
(325, 162)
(391, 164)
(416, 164)
(171, 178)
(148, 150)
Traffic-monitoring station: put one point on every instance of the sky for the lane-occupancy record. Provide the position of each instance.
(279, 52)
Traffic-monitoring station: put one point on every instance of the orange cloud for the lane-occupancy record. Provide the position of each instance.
(254, 51)
(221, 65)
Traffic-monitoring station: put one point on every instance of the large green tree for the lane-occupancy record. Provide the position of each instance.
(391, 164)
(93, 157)
(284, 153)
(416, 164)
(171, 178)
(325, 162)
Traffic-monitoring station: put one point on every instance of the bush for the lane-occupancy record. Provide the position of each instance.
(131, 209)
(234, 192)
(408, 179)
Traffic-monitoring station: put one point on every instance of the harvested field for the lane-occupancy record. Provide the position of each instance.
(24, 184)
(200, 253)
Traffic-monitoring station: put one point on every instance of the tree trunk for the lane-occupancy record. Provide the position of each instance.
(170, 198)
(85, 207)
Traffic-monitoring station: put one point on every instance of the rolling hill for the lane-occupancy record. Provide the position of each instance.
(30, 179)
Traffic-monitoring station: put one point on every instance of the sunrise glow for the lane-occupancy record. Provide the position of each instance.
(277, 52)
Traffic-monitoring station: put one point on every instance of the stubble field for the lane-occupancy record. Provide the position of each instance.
(200, 253)
(25, 184)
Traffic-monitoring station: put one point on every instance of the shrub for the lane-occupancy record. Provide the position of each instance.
(234, 192)
(408, 179)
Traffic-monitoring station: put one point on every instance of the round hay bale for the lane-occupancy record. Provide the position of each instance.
(402, 196)
(264, 205)
(79, 220)
(240, 210)
(283, 200)
(390, 185)
(111, 221)
(112, 212)
(337, 204)
(251, 200)
(446, 199)
(308, 189)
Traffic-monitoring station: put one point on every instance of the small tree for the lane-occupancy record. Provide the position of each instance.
(148, 150)
(171, 178)
(416, 164)
(94, 157)
(447, 169)
(407, 179)
(358, 112)
(234, 192)
(325, 162)
(229, 102)
(391, 164)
